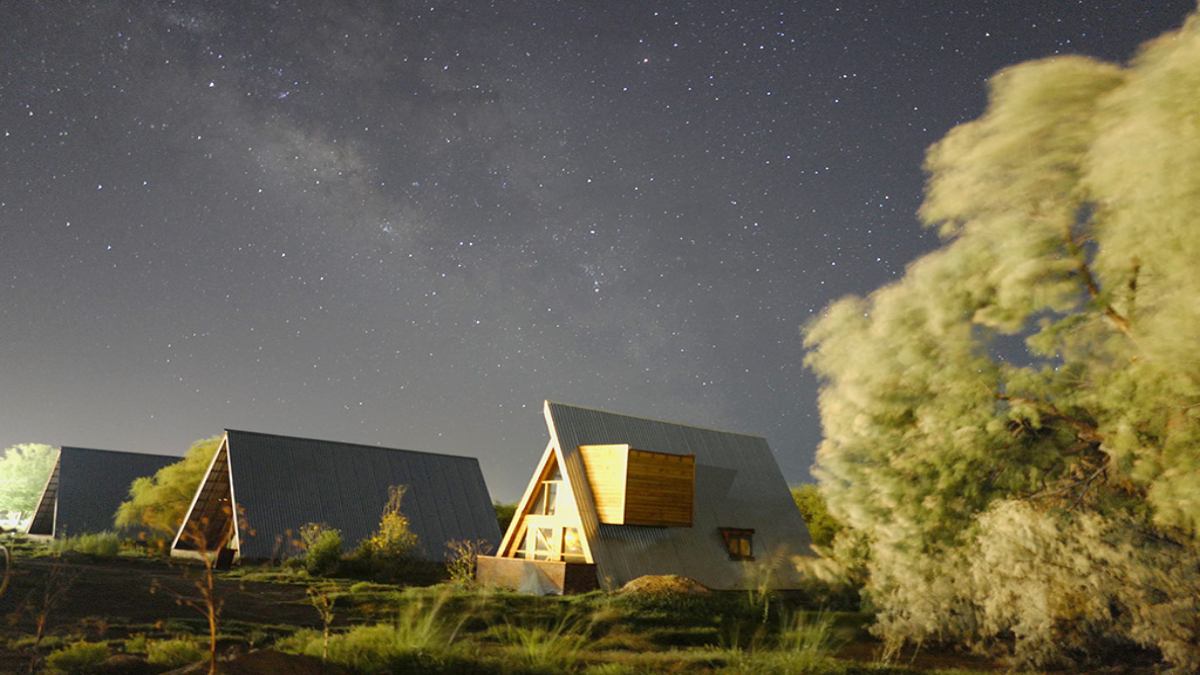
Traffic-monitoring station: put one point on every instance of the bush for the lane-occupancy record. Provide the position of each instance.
(464, 554)
(1069, 589)
(387, 555)
(174, 653)
(80, 657)
(393, 538)
(106, 544)
(323, 548)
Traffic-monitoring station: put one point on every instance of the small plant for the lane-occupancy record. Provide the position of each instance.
(760, 577)
(464, 554)
(106, 544)
(322, 600)
(209, 540)
(78, 658)
(323, 548)
(54, 591)
(174, 653)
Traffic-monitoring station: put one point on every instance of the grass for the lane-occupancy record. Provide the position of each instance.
(174, 653)
(104, 544)
(420, 633)
(449, 628)
(558, 646)
(78, 658)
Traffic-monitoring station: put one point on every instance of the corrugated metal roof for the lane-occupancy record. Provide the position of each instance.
(738, 484)
(93, 483)
(283, 482)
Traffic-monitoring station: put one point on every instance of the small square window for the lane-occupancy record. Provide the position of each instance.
(739, 542)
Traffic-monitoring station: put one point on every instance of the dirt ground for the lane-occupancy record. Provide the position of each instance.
(112, 598)
(140, 591)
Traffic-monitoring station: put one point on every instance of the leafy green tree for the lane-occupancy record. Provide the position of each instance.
(160, 502)
(24, 469)
(822, 527)
(504, 514)
(1068, 212)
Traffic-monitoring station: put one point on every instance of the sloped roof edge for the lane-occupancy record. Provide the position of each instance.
(356, 445)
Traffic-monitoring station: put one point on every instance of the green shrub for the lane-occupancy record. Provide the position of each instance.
(464, 554)
(393, 538)
(80, 657)
(106, 544)
(323, 548)
(174, 653)
(388, 554)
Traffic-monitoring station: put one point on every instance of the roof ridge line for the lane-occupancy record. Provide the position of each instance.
(357, 445)
(660, 421)
(118, 452)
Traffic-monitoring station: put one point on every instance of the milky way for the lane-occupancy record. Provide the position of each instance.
(409, 223)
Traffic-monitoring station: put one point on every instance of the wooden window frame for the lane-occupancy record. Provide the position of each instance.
(542, 501)
(731, 536)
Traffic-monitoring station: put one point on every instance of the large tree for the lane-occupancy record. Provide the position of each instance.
(24, 469)
(1042, 497)
(158, 503)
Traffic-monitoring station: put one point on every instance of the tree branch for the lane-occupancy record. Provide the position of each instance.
(1089, 281)
(1084, 430)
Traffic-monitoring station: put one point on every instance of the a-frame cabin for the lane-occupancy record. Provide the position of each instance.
(276, 484)
(85, 488)
(616, 497)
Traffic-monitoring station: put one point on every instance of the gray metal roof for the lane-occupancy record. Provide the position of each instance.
(738, 484)
(283, 482)
(93, 483)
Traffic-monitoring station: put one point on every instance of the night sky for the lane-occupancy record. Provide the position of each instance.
(409, 223)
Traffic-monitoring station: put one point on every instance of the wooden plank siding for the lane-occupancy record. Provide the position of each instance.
(605, 466)
(639, 487)
(659, 489)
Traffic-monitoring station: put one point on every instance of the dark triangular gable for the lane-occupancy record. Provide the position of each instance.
(208, 523)
(42, 524)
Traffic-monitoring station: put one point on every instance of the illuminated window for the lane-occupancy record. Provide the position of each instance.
(543, 544)
(547, 499)
(739, 542)
(572, 548)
